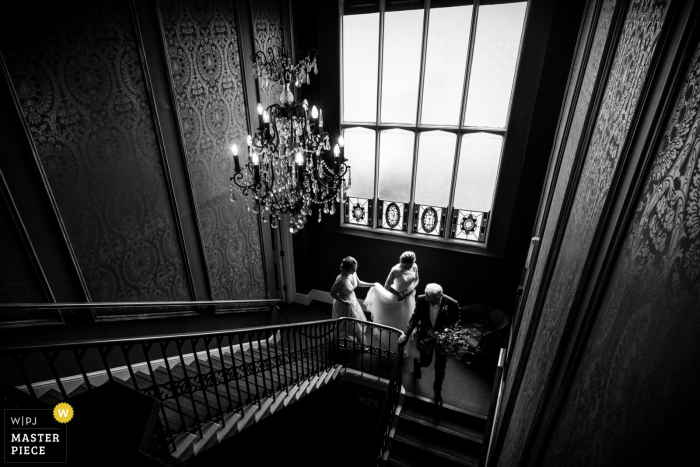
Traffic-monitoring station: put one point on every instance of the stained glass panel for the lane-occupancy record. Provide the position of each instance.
(358, 211)
(470, 225)
(393, 215)
(429, 220)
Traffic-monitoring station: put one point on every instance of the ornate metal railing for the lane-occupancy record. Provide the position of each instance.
(203, 377)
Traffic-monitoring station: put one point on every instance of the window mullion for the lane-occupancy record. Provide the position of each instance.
(463, 109)
(380, 70)
(419, 107)
(423, 53)
(453, 188)
(411, 202)
(468, 68)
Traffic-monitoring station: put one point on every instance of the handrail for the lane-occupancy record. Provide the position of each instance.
(202, 377)
(494, 407)
(388, 410)
(93, 305)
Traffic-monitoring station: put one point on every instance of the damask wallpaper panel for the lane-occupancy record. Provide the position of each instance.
(82, 93)
(270, 31)
(201, 42)
(638, 379)
(602, 29)
(643, 22)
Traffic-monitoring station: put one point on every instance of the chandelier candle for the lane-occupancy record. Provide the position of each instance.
(288, 170)
(237, 165)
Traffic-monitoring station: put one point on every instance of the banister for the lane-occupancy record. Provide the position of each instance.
(93, 305)
(280, 356)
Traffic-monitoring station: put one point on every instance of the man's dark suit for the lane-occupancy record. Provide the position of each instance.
(447, 316)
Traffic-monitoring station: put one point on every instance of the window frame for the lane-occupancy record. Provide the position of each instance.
(418, 128)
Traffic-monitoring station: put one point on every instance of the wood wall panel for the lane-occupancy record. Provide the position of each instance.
(78, 78)
(644, 20)
(202, 49)
(638, 376)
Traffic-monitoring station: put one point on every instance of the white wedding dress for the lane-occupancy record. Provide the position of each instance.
(385, 306)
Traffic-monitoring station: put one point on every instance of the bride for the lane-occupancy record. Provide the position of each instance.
(393, 304)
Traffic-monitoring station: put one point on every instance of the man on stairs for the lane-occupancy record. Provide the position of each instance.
(434, 311)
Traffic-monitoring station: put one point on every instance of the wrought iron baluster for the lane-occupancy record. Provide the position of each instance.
(79, 359)
(156, 392)
(173, 386)
(125, 352)
(254, 369)
(262, 363)
(188, 383)
(200, 377)
(212, 374)
(296, 356)
(50, 359)
(274, 363)
(245, 369)
(223, 372)
(235, 372)
(103, 355)
(19, 363)
(307, 354)
(284, 359)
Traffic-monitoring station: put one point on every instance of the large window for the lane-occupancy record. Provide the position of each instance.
(426, 90)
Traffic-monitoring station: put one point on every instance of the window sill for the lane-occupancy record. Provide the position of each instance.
(401, 237)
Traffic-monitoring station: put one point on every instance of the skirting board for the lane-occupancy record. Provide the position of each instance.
(319, 295)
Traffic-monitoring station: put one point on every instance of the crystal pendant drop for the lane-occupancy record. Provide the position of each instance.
(332, 210)
(319, 216)
(274, 222)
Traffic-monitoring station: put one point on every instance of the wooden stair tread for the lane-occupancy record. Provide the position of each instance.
(442, 424)
(435, 447)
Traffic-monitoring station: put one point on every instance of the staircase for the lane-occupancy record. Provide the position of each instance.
(210, 386)
(189, 408)
(430, 435)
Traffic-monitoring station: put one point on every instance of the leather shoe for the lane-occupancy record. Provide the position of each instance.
(438, 399)
(416, 368)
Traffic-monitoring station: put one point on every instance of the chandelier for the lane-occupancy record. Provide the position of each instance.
(289, 169)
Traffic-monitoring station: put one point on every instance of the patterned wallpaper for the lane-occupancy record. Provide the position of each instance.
(631, 393)
(83, 97)
(583, 102)
(269, 32)
(635, 49)
(202, 48)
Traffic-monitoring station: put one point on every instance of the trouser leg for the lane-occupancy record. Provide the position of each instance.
(426, 358)
(440, 365)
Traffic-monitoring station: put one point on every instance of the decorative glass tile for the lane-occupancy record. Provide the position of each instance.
(358, 211)
(469, 225)
(393, 215)
(429, 220)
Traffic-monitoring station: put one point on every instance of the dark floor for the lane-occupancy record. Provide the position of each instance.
(465, 387)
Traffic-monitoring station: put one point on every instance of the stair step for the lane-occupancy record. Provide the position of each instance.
(442, 421)
(230, 426)
(184, 446)
(51, 397)
(208, 437)
(404, 455)
(433, 442)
